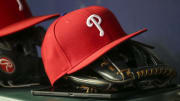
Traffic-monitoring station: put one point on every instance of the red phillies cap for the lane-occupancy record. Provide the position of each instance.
(16, 16)
(75, 40)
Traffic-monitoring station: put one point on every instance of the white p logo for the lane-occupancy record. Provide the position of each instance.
(96, 23)
(20, 5)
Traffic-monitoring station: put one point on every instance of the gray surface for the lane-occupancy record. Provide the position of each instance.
(24, 94)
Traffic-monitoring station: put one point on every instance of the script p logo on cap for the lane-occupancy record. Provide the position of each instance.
(16, 16)
(78, 38)
(20, 5)
(97, 24)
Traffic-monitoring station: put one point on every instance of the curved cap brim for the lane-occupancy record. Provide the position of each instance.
(103, 50)
(15, 27)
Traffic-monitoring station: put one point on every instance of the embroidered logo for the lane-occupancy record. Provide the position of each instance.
(92, 20)
(20, 5)
(6, 65)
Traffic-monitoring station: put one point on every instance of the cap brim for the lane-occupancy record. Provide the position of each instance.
(102, 51)
(24, 24)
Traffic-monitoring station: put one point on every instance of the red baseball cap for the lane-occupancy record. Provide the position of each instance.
(80, 37)
(16, 16)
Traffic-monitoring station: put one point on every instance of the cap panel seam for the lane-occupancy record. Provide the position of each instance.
(66, 57)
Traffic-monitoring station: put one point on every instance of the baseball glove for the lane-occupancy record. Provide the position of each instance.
(20, 65)
(129, 65)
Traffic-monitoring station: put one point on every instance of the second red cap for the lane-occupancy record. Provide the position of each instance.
(16, 16)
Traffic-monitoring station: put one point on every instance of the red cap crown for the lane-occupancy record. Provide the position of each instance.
(15, 16)
(78, 38)
(13, 11)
